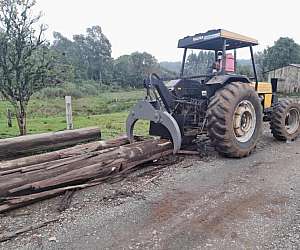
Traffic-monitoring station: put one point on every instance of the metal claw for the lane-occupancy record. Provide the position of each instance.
(143, 110)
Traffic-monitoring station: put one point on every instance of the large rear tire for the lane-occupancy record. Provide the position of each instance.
(235, 119)
(285, 120)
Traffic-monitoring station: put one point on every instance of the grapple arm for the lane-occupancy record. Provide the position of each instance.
(144, 110)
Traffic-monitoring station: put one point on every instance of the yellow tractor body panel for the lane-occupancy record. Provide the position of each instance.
(265, 89)
(268, 101)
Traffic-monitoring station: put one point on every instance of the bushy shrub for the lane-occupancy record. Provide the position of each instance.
(50, 93)
(61, 91)
(88, 89)
(79, 89)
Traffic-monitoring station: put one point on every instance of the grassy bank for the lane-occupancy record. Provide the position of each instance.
(111, 125)
(107, 111)
(104, 103)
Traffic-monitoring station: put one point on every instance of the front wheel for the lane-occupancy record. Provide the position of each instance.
(235, 119)
(285, 120)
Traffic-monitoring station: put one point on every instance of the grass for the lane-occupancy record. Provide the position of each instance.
(105, 103)
(107, 111)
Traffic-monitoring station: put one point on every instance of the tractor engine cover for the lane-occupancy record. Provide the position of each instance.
(190, 106)
(188, 88)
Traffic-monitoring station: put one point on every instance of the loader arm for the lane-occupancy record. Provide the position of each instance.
(155, 111)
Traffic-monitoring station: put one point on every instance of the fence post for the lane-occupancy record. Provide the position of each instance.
(9, 117)
(69, 117)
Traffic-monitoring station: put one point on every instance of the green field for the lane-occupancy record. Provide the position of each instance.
(107, 111)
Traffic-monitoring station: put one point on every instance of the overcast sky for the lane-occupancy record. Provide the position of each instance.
(155, 26)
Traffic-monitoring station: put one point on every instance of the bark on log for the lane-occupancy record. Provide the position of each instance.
(19, 189)
(63, 153)
(32, 143)
(16, 178)
(8, 204)
(11, 235)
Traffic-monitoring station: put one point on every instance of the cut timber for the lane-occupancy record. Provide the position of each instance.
(187, 152)
(53, 178)
(31, 143)
(11, 235)
(82, 149)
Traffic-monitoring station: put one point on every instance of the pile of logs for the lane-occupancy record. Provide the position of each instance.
(33, 178)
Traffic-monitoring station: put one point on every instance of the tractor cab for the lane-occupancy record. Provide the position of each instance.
(224, 44)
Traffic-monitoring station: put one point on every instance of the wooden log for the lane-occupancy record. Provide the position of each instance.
(83, 168)
(25, 188)
(63, 153)
(130, 156)
(32, 143)
(187, 152)
(47, 170)
(20, 177)
(66, 200)
(15, 202)
(11, 235)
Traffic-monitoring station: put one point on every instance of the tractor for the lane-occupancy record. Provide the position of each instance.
(229, 108)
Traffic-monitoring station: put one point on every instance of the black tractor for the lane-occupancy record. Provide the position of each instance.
(228, 107)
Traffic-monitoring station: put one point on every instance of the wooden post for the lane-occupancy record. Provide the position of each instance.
(69, 117)
(9, 117)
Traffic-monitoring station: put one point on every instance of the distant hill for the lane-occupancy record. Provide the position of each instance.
(171, 66)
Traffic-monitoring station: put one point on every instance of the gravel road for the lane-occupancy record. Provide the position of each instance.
(211, 203)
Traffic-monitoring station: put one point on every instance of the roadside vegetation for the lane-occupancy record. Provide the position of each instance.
(107, 110)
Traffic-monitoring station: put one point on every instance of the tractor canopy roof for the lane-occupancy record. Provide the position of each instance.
(214, 40)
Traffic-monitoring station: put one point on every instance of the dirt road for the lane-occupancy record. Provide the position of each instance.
(250, 203)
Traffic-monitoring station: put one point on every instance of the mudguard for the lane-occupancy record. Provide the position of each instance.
(144, 110)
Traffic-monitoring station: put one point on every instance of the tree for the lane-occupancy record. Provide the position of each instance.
(283, 52)
(143, 64)
(25, 60)
(99, 54)
(259, 58)
(131, 70)
(89, 54)
(80, 57)
(200, 63)
(244, 69)
(122, 70)
(64, 52)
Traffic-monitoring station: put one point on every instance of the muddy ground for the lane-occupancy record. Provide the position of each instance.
(198, 203)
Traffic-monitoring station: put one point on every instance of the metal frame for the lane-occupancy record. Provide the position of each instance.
(183, 62)
(212, 40)
(224, 56)
(250, 43)
(254, 68)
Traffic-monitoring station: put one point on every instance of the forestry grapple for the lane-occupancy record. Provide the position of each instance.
(230, 108)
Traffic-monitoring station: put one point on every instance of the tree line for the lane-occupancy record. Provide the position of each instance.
(88, 57)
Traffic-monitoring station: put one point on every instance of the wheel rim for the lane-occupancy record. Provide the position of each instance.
(292, 121)
(244, 121)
